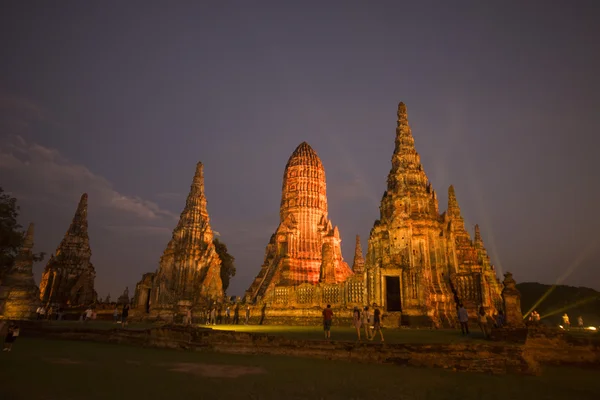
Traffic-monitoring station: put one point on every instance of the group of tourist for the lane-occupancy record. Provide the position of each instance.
(482, 320)
(217, 315)
(122, 317)
(371, 323)
(50, 313)
(567, 323)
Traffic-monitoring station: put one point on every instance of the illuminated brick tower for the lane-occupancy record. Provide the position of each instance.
(306, 248)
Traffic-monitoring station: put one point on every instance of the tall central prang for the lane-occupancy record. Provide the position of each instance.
(306, 248)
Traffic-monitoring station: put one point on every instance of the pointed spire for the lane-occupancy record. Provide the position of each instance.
(24, 260)
(478, 239)
(28, 239)
(79, 224)
(199, 175)
(359, 262)
(453, 208)
(402, 114)
(407, 179)
(196, 199)
(404, 139)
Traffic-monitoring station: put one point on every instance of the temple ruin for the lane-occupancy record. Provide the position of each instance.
(420, 263)
(68, 279)
(303, 266)
(189, 272)
(19, 295)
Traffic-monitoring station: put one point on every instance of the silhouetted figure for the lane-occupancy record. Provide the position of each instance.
(263, 314)
(463, 319)
(483, 322)
(11, 336)
(124, 315)
(377, 323)
(327, 321)
(500, 319)
(566, 322)
(236, 314)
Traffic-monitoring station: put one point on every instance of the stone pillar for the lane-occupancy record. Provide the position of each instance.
(511, 298)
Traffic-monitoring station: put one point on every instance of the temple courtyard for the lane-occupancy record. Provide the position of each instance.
(62, 369)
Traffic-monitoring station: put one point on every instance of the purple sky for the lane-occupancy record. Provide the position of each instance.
(122, 99)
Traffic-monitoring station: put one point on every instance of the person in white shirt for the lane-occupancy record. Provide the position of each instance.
(88, 314)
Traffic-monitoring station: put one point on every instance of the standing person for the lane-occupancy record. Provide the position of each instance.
(580, 322)
(247, 315)
(566, 321)
(483, 322)
(88, 314)
(500, 319)
(116, 315)
(11, 336)
(213, 315)
(463, 319)
(366, 322)
(356, 321)
(124, 314)
(236, 314)
(228, 315)
(327, 320)
(377, 323)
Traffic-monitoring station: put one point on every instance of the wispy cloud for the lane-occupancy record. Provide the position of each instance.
(36, 171)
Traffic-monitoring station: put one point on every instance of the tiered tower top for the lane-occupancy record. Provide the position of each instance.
(76, 238)
(304, 185)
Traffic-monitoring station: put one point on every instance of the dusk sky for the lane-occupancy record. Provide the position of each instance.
(121, 99)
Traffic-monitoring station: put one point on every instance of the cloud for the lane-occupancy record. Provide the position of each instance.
(36, 172)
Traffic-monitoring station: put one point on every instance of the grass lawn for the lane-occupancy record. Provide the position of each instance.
(67, 370)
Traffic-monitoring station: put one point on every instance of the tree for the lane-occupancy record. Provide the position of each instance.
(227, 263)
(11, 234)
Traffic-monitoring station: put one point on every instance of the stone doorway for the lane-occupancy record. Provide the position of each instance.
(392, 293)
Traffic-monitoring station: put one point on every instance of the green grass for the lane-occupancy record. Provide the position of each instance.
(66, 370)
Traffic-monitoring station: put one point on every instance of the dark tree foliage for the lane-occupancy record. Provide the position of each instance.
(11, 233)
(227, 263)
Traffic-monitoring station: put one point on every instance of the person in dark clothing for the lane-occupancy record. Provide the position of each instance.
(327, 320)
(124, 315)
(377, 323)
(11, 337)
